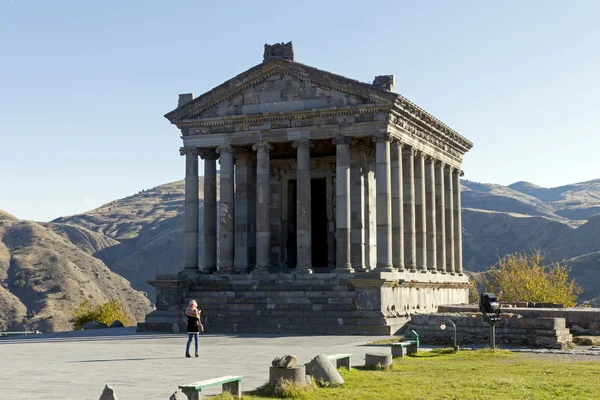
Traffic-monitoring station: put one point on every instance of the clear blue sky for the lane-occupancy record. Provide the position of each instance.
(84, 85)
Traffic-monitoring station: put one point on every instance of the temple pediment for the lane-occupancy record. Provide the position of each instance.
(277, 86)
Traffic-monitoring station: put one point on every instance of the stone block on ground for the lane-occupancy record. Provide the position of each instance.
(322, 369)
(296, 374)
(108, 393)
(378, 360)
(94, 325)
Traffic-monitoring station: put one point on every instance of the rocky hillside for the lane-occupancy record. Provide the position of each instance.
(44, 276)
(561, 221)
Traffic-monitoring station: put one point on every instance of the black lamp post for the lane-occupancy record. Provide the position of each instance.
(443, 326)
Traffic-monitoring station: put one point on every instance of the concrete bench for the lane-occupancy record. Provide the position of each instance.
(341, 360)
(231, 384)
(405, 347)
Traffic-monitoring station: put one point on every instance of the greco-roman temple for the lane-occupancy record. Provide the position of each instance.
(339, 207)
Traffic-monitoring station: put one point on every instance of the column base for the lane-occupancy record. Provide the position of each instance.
(399, 267)
(387, 267)
(344, 268)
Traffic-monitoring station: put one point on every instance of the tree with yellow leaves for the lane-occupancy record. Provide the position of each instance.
(526, 277)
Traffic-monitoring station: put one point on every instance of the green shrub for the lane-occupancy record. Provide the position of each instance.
(108, 313)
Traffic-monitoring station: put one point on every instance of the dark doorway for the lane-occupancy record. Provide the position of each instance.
(318, 205)
(318, 189)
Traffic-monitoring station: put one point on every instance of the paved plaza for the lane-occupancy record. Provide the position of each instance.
(77, 365)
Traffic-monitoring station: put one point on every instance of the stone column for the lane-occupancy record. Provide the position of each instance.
(383, 187)
(303, 208)
(357, 207)
(397, 206)
(342, 204)
(370, 216)
(244, 205)
(440, 216)
(430, 214)
(420, 222)
(227, 203)
(448, 198)
(210, 211)
(410, 238)
(263, 205)
(457, 222)
(190, 224)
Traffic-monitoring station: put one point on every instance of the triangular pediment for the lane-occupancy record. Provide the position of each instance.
(279, 86)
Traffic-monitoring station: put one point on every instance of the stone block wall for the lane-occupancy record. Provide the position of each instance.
(472, 329)
(586, 318)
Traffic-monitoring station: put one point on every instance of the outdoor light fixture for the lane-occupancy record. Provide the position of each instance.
(443, 327)
(489, 305)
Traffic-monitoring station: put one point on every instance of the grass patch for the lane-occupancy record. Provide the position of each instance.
(480, 374)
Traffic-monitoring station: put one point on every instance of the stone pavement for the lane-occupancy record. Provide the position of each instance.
(145, 366)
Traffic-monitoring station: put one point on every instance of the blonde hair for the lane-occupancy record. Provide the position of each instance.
(193, 303)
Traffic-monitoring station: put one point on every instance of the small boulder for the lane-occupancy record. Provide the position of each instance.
(287, 361)
(321, 369)
(116, 324)
(94, 325)
(108, 393)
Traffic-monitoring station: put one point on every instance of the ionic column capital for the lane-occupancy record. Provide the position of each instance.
(208, 155)
(382, 137)
(398, 143)
(188, 151)
(421, 154)
(341, 139)
(305, 143)
(441, 164)
(409, 151)
(224, 148)
(262, 147)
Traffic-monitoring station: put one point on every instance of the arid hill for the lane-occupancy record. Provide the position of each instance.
(44, 276)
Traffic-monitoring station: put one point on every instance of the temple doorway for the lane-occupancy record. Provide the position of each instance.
(319, 235)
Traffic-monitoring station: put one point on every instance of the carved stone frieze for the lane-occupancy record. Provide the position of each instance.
(280, 50)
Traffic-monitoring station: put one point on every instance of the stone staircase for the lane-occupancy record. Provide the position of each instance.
(274, 303)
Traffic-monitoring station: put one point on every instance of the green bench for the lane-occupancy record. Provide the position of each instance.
(405, 347)
(341, 360)
(231, 384)
(20, 333)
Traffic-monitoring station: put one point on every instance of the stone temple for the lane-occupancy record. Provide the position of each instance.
(339, 208)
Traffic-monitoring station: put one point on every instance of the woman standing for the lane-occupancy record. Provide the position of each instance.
(194, 327)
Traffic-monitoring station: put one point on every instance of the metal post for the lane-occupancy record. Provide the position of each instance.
(493, 335)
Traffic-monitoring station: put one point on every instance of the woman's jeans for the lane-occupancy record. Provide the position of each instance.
(190, 336)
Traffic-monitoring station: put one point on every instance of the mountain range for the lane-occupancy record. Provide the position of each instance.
(46, 269)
